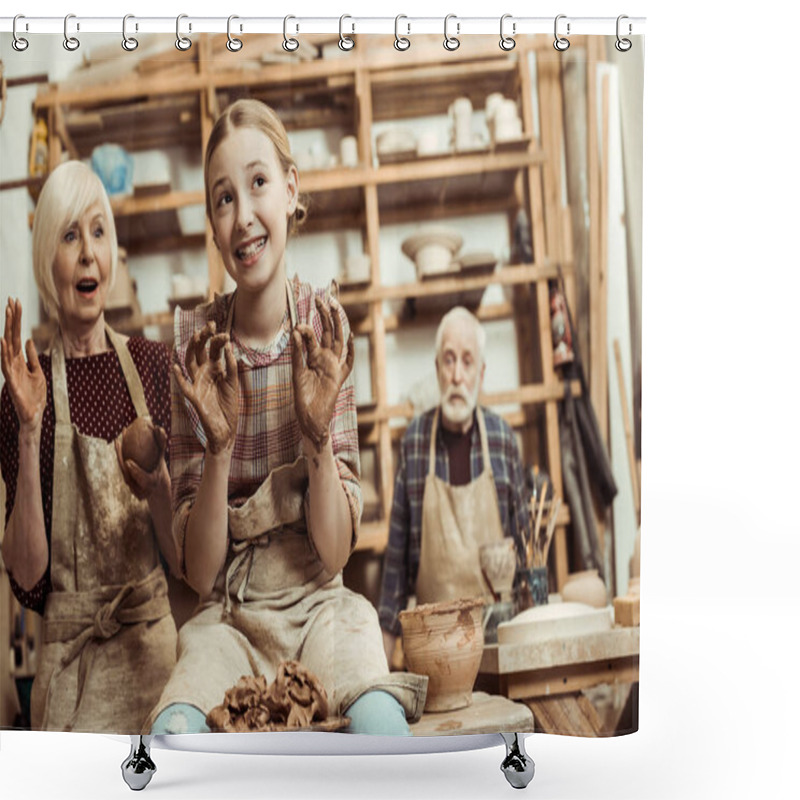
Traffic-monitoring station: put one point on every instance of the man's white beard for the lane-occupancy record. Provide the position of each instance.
(458, 413)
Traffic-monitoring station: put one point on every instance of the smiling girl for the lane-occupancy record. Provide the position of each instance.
(265, 465)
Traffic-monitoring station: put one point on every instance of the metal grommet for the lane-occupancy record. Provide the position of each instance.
(506, 42)
(289, 44)
(233, 44)
(182, 42)
(345, 42)
(129, 43)
(400, 42)
(560, 43)
(70, 42)
(18, 42)
(623, 45)
(451, 42)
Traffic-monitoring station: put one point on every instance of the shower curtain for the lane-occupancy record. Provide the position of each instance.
(474, 175)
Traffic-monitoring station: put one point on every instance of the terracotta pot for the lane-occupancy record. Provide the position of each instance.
(445, 642)
(585, 587)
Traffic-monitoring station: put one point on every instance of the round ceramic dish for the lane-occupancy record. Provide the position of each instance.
(432, 249)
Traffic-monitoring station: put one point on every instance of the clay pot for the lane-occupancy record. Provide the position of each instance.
(139, 444)
(585, 587)
(445, 642)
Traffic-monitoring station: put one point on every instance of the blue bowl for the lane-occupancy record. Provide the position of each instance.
(114, 166)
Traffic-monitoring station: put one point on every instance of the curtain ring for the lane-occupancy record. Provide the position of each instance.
(451, 42)
(345, 42)
(623, 45)
(289, 44)
(506, 42)
(400, 42)
(560, 43)
(70, 42)
(233, 44)
(181, 42)
(18, 42)
(129, 43)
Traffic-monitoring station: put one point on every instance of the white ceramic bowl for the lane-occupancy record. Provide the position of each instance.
(432, 249)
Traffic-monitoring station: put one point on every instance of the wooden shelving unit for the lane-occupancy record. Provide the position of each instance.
(176, 107)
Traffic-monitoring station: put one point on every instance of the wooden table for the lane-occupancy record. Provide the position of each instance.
(488, 713)
(549, 675)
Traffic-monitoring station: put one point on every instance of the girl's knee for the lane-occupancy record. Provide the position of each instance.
(180, 718)
(377, 713)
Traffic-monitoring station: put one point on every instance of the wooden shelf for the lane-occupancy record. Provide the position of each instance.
(170, 101)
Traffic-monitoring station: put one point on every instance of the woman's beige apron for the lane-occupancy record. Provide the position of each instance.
(456, 522)
(109, 637)
(274, 601)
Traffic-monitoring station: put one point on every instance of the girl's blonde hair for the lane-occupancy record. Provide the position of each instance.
(70, 190)
(249, 113)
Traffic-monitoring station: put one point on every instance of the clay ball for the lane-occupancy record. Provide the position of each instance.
(139, 444)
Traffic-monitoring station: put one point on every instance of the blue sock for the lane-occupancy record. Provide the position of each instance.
(378, 713)
(180, 718)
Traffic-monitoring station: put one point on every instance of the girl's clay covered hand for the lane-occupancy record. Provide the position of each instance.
(318, 380)
(140, 452)
(25, 379)
(214, 386)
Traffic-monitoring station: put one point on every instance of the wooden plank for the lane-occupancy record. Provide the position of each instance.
(532, 393)
(596, 285)
(506, 276)
(626, 419)
(569, 715)
(378, 337)
(571, 678)
(562, 651)
(486, 714)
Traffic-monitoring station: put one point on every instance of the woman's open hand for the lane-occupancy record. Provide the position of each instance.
(214, 386)
(318, 379)
(24, 378)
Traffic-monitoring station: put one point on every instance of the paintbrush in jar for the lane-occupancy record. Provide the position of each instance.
(537, 525)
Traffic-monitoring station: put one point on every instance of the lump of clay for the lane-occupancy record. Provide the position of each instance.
(139, 444)
(295, 699)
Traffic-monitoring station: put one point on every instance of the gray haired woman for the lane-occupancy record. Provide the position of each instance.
(85, 527)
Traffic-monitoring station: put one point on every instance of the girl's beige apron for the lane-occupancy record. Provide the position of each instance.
(109, 636)
(456, 522)
(274, 601)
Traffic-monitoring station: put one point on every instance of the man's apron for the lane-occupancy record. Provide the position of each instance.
(274, 601)
(456, 522)
(109, 637)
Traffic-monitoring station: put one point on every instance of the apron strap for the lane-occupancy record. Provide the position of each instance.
(487, 464)
(135, 388)
(432, 456)
(59, 368)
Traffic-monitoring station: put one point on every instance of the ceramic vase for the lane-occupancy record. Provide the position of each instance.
(445, 642)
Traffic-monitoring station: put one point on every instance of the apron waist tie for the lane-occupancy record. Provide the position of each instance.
(243, 551)
(132, 603)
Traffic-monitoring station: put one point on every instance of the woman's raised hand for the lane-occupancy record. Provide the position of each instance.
(214, 386)
(318, 379)
(24, 378)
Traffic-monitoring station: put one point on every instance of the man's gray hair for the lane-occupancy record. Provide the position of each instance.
(461, 313)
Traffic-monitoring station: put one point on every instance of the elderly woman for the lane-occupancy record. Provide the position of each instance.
(85, 526)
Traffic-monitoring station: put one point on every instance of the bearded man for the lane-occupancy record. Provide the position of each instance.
(460, 484)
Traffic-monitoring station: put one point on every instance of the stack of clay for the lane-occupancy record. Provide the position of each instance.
(295, 699)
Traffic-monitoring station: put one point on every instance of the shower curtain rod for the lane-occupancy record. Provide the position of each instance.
(346, 24)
